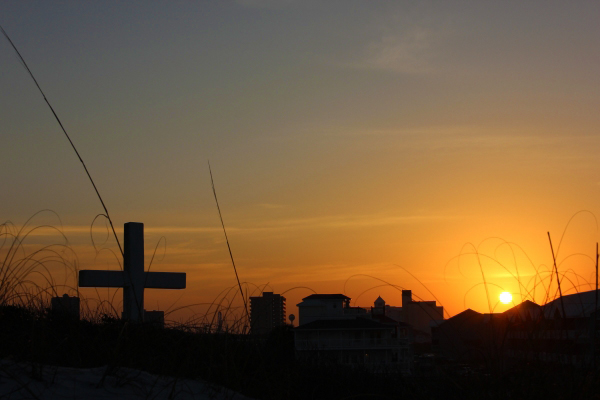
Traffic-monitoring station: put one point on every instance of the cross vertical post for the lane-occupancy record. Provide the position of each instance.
(133, 279)
(133, 266)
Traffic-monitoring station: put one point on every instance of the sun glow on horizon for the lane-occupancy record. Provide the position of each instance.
(505, 297)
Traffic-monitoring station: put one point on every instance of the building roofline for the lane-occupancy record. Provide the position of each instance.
(327, 297)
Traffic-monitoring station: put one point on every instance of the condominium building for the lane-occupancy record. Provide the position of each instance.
(266, 312)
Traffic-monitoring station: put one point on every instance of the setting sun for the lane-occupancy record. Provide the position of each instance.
(505, 297)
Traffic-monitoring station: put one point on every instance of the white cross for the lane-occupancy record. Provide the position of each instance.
(133, 279)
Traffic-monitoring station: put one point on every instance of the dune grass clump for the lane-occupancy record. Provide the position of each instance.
(30, 262)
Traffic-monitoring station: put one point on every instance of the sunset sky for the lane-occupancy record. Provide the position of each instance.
(346, 138)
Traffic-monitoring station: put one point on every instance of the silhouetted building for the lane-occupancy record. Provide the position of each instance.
(326, 306)
(476, 338)
(266, 312)
(330, 330)
(563, 331)
(66, 306)
(420, 315)
(463, 338)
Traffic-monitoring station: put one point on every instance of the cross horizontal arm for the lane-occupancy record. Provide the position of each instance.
(94, 278)
(164, 280)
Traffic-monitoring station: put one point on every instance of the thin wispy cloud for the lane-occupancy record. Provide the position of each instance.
(269, 4)
(85, 229)
(332, 221)
(404, 53)
(271, 206)
(469, 137)
(400, 42)
(346, 221)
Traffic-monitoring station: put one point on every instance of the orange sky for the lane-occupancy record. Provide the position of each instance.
(350, 144)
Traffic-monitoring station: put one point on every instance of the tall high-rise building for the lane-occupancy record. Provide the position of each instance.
(266, 312)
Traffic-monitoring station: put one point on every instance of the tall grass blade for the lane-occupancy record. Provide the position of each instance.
(562, 304)
(66, 134)
(227, 240)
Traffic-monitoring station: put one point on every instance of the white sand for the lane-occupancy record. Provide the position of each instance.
(33, 381)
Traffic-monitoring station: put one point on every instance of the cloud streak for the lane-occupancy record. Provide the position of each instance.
(331, 222)
(407, 53)
(268, 4)
(402, 41)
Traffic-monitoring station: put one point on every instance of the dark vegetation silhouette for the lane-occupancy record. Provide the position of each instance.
(213, 345)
